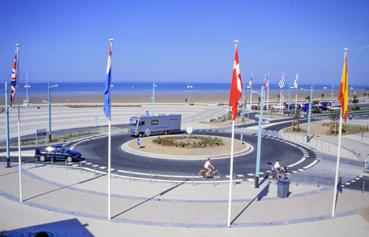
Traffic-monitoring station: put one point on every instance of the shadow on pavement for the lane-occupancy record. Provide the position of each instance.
(63, 187)
(263, 193)
(148, 199)
(71, 227)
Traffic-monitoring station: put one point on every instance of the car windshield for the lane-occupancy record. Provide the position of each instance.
(133, 122)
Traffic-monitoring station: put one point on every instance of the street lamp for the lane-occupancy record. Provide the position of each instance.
(49, 102)
(189, 87)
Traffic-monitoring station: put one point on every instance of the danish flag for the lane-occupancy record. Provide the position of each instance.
(236, 86)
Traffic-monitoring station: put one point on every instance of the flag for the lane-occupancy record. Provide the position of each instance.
(250, 81)
(13, 78)
(236, 86)
(107, 100)
(282, 81)
(343, 93)
(295, 82)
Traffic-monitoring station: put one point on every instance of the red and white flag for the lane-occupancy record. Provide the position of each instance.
(236, 87)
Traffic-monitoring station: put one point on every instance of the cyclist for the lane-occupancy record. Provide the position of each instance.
(208, 167)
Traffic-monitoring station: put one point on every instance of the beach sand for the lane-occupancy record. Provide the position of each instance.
(178, 97)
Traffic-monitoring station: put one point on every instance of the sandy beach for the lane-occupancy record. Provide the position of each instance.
(196, 97)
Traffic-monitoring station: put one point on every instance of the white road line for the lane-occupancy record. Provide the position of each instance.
(311, 165)
(347, 183)
(250, 174)
(296, 163)
(294, 171)
(102, 167)
(250, 179)
(240, 175)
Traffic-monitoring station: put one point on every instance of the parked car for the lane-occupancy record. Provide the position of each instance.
(324, 106)
(56, 153)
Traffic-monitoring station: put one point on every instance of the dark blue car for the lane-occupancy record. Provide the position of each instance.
(57, 152)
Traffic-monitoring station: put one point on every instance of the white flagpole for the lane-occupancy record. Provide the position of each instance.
(109, 169)
(252, 77)
(109, 143)
(18, 128)
(337, 166)
(230, 179)
(267, 102)
(296, 100)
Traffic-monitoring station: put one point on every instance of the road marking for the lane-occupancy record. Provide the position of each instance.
(296, 163)
(312, 164)
(250, 179)
(88, 163)
(250, 174)
(347, 183)
(102, 167)
(294, 171)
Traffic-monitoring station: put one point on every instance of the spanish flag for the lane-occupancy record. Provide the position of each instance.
(343, 93)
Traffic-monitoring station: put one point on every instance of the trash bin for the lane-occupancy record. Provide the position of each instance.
(283, 188)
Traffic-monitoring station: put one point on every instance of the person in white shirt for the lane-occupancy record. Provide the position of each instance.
(209, 167)
(277, 165)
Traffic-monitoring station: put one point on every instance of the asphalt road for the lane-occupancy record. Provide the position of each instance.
(95, 151)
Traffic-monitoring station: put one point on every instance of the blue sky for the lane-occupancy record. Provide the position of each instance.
(180, 41)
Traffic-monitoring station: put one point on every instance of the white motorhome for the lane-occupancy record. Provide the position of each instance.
(154, 125)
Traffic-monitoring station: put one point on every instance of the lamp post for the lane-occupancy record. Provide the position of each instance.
(189, 87)
(49, 102)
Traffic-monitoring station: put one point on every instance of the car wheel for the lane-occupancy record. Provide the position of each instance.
(69, 159)
(42, 158)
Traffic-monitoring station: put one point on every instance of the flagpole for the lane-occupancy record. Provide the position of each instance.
(267, 107)
(231, 163)
(289, 97)
(309, 116)
(7, 134)
(296, 100)
(337, 165)
(18, 126)
(344, 102)
(109, 143)
(230, 179)
(252, 76)
(260, 129)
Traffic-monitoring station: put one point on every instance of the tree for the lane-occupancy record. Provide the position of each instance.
(334, 116)
(296, 120)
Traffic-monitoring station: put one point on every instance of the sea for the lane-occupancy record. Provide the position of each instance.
(85, 88)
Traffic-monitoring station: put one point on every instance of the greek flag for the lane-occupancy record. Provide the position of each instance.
(282, 81)
(107, 100)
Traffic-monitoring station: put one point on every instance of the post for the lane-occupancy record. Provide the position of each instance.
(267, 100)
(280, 102)
(7, 134)
(337, 165)
(252, 77)
(296, 100)
(230, 178)
(260, 129)
(309, 117)
(109, 142)
(332, 94)
(153, 93)
(49, 111)
(289, 98)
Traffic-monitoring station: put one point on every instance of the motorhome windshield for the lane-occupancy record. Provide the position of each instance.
(133, 122)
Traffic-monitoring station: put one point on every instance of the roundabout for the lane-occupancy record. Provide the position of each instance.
(140, 165)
